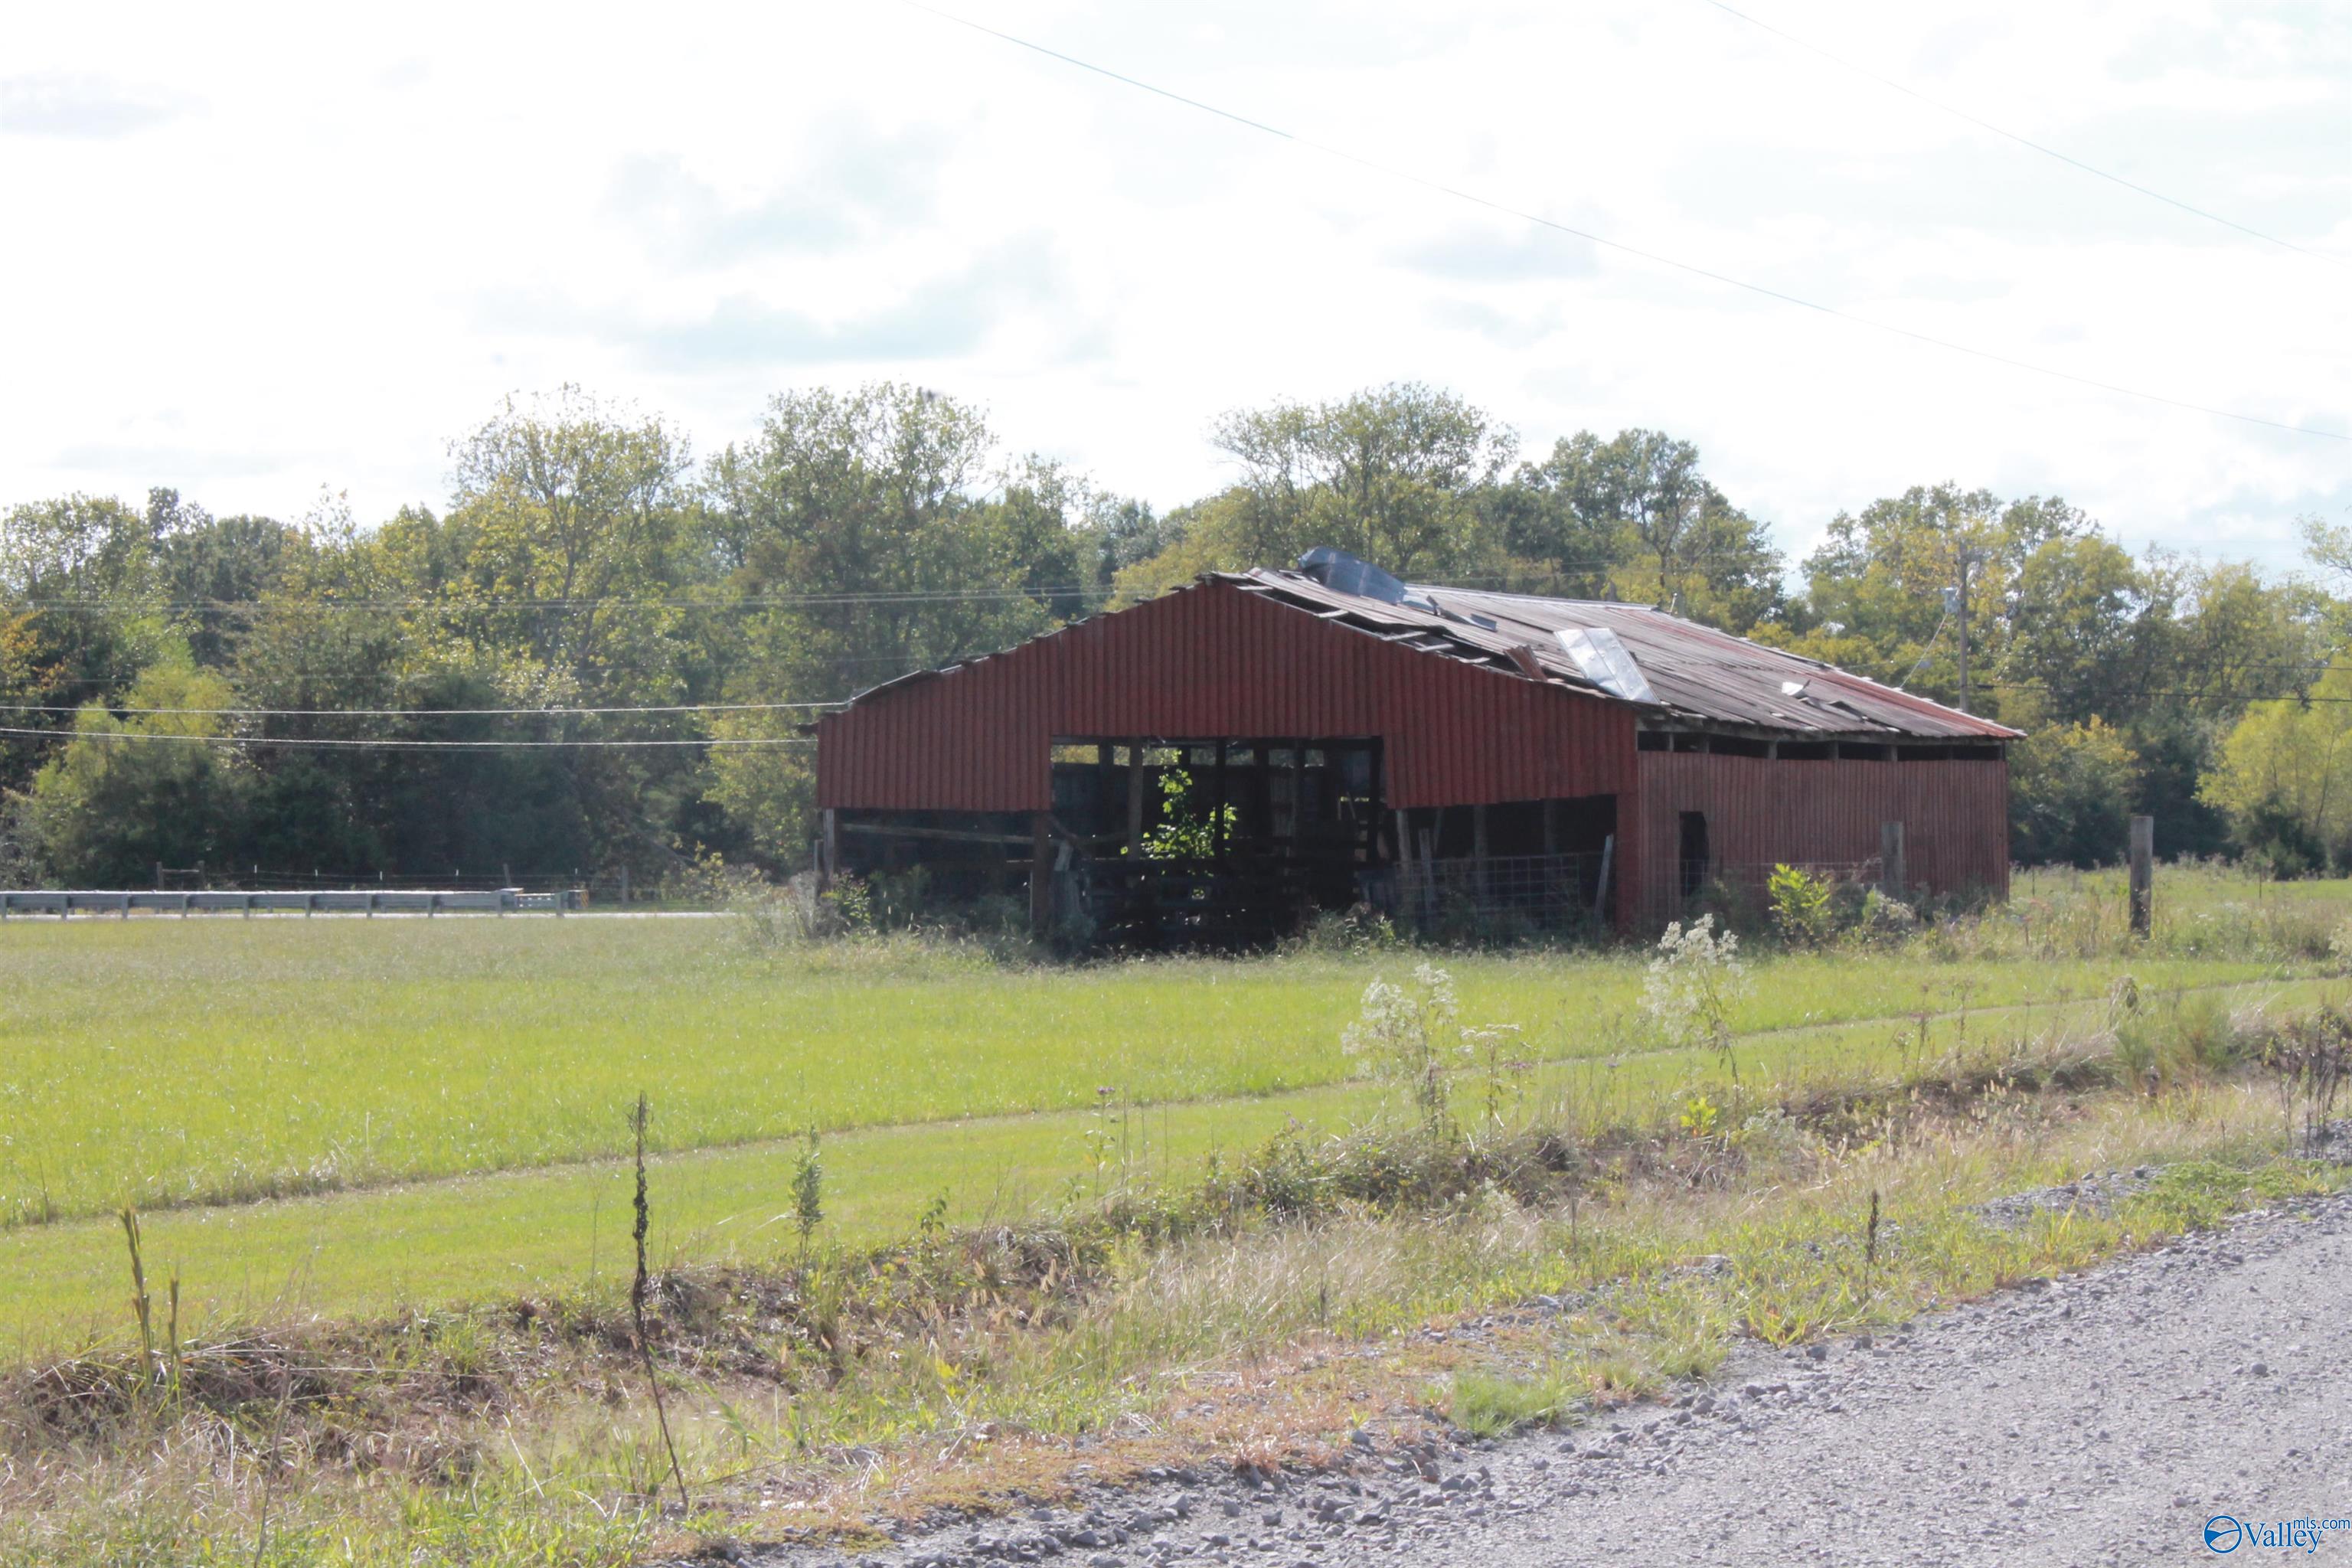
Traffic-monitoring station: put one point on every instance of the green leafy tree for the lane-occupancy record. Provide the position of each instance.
(2284, 775)
(127, 792)
(1399, 475)
(868, 516)
(1634, 518)
(2071, 788)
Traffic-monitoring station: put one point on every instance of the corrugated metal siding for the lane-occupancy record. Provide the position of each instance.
(1216, 661)
(1955, 818)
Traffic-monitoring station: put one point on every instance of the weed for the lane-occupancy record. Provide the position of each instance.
(638, 1285)
(808, 1190)
(1409, 1032)
(1491, 1405)
(1800, 906)
(1691, 983)
(1698, 1118)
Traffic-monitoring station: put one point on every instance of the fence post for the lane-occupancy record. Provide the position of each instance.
(1601, 891)
(1893, 878)
(2142, 874)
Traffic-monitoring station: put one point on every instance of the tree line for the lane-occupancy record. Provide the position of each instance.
(586, 573)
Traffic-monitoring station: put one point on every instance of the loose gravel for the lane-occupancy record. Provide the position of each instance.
(2096, 1419)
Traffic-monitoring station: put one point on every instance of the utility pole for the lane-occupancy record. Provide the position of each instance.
(1967, 559)
(1964, 628)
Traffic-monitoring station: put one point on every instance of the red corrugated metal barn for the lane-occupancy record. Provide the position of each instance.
(1215, 764)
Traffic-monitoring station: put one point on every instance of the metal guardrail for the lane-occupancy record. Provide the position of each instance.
(65, 902)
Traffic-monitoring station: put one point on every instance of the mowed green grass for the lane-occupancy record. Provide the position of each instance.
(530, 1233)
(165, 1062)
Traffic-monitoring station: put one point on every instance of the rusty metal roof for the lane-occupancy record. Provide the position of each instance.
(1694, 673)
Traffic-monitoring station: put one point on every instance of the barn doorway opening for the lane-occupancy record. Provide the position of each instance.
(1226, 841)
(1695, 856)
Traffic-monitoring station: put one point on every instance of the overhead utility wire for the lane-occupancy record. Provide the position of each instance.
(413, 713)
(313, 743)
(2026, 142)
(1492, 204)
(485, 606)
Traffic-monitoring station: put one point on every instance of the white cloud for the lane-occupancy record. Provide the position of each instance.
(382, 222)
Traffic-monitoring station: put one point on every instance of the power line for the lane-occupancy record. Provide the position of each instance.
(313, 744)
(1493, 204)
(2025, 141)
(475, 607)
(412, 712)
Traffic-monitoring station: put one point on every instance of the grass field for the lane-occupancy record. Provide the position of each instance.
(438, 1105)
(392, 1154)
(163, 1063)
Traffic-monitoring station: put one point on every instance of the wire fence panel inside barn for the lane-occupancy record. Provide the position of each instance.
(1547, 890)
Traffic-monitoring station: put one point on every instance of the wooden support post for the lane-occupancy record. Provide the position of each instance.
(1217, 805)
(1478, 851)
(1893, 876)
(1600, 893)
(828, 849)
(2143, 875)
(1294, 791)
(1041, 872)
(1134, 751)
(1105, 759)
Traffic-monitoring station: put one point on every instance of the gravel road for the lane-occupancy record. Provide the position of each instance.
(2101, 1420)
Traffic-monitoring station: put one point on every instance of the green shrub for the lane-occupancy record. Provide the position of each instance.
(1800, 905)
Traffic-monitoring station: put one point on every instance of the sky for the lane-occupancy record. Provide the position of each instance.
(262, 253)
